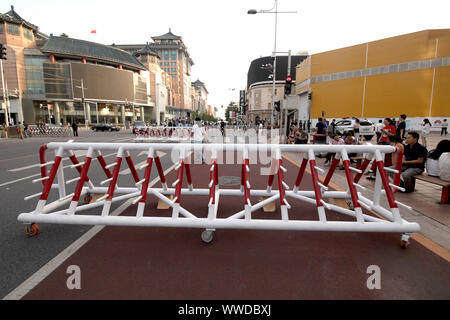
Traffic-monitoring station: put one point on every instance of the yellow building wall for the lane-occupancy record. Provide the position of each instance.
(340, 98)
(409, 47)
(345, 59)
(390, 95)
(443, 47)
(441, 93)
(302, 71)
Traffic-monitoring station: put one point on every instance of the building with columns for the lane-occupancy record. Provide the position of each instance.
(21, 40)
(175, 61)
(201, 95)
(60, 79)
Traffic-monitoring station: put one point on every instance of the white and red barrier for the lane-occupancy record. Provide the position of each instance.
(244, 219)
(170, 134)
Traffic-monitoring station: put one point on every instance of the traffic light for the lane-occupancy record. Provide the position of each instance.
(2, 51)
(288, 85)
(277, 105)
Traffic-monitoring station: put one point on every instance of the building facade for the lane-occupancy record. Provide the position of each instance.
(259, 86)
(60, 79)
(407, 74)
(176, 62)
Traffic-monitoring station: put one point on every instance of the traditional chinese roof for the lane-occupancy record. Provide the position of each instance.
(90, 50)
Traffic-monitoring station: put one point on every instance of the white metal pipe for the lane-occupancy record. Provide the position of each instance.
(354, 169)
(110, 165)
(77, 165)
(359, 186)
(47, 163)
(390, 170)
(396, 187)
(285, 185)
(102, 198)
(137, 199)
(105, 181)
(204, 223)
(224, 147)
(322, 186)
(32, 196)
(73, 180)
(140, 182)
(319, 169)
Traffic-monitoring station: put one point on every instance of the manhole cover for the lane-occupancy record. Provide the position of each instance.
(229, 181)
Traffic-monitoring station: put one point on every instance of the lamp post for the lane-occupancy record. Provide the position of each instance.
(274, 53)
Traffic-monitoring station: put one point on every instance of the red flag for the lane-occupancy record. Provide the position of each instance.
(94, 31)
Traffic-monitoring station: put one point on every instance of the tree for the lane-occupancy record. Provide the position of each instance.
(64, 35)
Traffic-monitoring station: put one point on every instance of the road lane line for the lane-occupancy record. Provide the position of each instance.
(26, 286)
(21, 179)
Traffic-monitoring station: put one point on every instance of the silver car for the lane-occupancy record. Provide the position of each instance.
(366, 127)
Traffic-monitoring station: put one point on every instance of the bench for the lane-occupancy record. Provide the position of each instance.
(435, 180)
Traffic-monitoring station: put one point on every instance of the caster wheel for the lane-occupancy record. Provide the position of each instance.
(207, 236)
(32, 229)
(404, 244)
(87, 198)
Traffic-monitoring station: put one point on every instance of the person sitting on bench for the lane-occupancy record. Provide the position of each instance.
(414, 158)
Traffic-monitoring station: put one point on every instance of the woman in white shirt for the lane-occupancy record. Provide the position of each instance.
(433, 166)
(426, 126)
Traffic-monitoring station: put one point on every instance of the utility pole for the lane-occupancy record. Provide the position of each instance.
(4, 95)
(284, 129)
(86, 120)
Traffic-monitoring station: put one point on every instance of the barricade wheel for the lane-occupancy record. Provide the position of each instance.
(87, 198)
(207, 236)
(32, 229)
(404, 244)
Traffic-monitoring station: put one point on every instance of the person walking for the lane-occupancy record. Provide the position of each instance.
(75, 129)
(3, 131)
(25, 131)
(388, 130)
(356, 129)
(197, 137)
(20, 129)
(379, 126)
(426, 127)
(444, 127)
(401, 127)
(333, 126)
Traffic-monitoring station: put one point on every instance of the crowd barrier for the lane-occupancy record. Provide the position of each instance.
(46, 131)
(388, 219)
(170, 134)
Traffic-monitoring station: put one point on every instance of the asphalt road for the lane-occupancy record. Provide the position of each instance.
(21, 255)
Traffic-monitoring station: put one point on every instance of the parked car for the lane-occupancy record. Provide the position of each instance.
(366, 128)
(104, 127)
(137, 125)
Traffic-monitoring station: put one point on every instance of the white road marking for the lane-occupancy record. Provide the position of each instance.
(24, 168)
(21, 179)
(19, 292)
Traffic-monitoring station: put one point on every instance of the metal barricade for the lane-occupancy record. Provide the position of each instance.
(389, 219)
(169, 134)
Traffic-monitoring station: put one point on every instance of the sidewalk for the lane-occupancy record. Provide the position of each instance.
(434, 218)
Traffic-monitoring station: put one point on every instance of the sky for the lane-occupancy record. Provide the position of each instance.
(222, 39)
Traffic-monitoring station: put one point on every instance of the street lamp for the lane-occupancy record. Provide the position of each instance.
(274, 53)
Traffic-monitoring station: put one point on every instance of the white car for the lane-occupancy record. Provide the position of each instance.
(366, 127)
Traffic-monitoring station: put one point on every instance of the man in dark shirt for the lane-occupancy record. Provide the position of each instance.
(401, 127)
(414, 158)
(320, 127)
